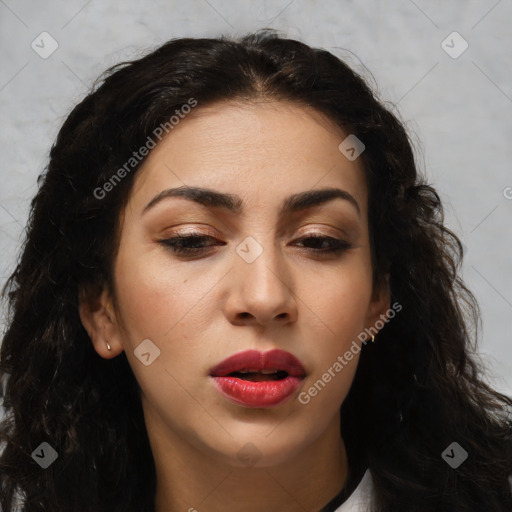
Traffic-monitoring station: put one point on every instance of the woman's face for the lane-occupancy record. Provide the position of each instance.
(254, 281)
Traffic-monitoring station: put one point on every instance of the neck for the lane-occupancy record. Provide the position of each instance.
(189, 480)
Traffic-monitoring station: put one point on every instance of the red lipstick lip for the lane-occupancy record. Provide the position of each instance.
(254, 360)
(262, 393)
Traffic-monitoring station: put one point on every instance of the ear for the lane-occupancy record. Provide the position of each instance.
(379, 307)
(98, 318)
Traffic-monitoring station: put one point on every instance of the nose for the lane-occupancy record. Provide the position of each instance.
(261, 286)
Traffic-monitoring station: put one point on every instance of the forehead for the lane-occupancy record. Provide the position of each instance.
(257, 149)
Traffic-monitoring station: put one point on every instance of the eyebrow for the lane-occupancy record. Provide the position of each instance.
(233, 203)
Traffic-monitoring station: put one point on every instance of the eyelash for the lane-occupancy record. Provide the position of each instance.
(177, 244)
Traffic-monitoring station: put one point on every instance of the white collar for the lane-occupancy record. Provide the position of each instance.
(361, 497)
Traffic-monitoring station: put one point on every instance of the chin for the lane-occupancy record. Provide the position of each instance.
(261, 451)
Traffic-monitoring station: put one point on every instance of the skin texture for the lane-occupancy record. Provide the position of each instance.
(200, 309)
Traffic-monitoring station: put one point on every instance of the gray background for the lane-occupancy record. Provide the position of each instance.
(458, 109)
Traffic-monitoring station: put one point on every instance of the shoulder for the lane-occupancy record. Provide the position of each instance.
(361, 500)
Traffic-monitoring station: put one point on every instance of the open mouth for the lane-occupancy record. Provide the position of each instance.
(261, 375)
(258, 379)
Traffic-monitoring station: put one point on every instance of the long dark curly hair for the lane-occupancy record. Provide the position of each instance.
(417, 389)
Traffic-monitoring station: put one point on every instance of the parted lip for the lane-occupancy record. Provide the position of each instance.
(256, 361)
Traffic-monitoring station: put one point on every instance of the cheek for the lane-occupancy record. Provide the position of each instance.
(145, 299)
(163, 301)
(337, 314)
(152, 295)
(157, 303)
(338, 302)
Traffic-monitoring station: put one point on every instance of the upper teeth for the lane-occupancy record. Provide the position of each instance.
(266, 372)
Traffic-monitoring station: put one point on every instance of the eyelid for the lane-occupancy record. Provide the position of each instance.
(177, 244)
(301, 233)
(326, 230)
(191, 230)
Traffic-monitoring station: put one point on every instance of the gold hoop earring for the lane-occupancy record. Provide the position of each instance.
(373, 339)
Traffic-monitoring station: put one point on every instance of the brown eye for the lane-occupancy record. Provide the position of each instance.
(327, 244)
(188, 244)
(196, 243)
